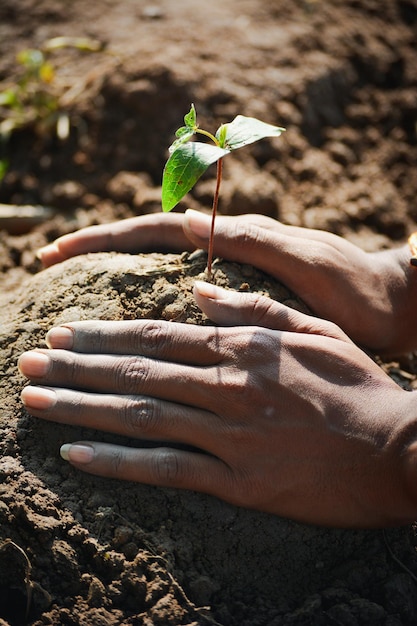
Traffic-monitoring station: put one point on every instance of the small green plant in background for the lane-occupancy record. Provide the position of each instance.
(30, 99)
(4, 166)
(190, 159)
(34, 99)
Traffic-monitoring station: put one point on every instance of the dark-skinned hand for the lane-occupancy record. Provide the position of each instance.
(283, 412)
(371, 296)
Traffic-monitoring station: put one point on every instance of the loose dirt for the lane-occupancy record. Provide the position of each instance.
(341, 76)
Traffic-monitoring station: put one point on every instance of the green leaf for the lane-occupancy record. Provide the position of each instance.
(245, 130)
(184, 130)
(183, 135)
(30, 58)
(221, 135)
(191, 118)
(184, 167)
(8, 98)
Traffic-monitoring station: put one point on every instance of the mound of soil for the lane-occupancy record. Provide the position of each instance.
(342, 78)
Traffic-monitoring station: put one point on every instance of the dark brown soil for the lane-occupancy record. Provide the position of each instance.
(342, 77)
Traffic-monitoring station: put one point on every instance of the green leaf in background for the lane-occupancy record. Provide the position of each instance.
(245, 130)
(184, 167)
(85, 44)
(4, 166)
(30, 58)
(9, 98)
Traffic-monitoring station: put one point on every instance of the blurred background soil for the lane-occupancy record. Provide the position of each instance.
(87, 145)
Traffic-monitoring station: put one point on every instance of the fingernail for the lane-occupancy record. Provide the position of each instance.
(38, 397)
(208, 290)
(199, 223)
(77, 453)
(33, 364)
(46, 250)
(60, 337)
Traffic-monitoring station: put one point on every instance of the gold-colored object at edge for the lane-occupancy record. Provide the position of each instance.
(412, 242)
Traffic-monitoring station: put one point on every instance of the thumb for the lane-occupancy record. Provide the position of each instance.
(197, 227)
(233, 308)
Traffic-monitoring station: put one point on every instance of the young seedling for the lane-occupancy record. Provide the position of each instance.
(189, 160)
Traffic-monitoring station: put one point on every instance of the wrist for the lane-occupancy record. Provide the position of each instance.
(407, 449)
(400, 278)
(390, 481)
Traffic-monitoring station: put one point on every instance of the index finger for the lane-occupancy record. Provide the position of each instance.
(182, 343)
(156, 232)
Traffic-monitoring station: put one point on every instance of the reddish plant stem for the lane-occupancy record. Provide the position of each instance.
(213, 217)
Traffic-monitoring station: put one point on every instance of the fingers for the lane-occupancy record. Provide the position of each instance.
(231, 308)
(121, 374)
(139, 417)
(163, 467)
(169, 341)
(187, 343)
(148, 233)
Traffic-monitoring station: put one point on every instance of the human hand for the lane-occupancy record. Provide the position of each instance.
(281, 411)
(371, 296)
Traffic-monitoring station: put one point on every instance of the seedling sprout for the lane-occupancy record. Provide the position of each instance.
(189, 159)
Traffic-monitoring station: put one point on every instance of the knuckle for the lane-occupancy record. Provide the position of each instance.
(166, 466)
(236, 388)
(261, 308)
(241, 389)
(329, 329)
(141, 416)
(213, 341)
(153, 337)
(247, 235)
(335, 331)
(256, 219)
(248, 389)
(251, 395)
(257, 344)
(132, 374)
